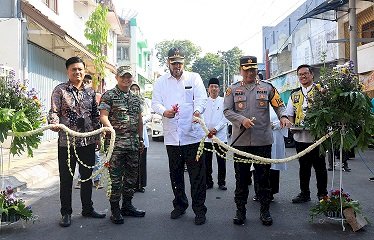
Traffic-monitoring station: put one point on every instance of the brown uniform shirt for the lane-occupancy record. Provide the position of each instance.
(248, 101)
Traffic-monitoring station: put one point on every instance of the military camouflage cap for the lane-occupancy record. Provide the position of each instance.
(122, 70)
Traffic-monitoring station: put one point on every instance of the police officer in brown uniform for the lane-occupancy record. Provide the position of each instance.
(246, 106)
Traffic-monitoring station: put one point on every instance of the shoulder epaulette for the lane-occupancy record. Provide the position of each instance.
(295, 90)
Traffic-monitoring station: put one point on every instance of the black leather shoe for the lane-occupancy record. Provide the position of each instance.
(177, 213)
(65, 220)
(330, 169)
(94, 214)
(222, 187)
(301, 198)
(132, 212)
(266, 218)
(239, 218)
(200, 219)
(142, 190)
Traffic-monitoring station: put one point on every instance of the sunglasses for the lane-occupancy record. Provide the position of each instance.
(175, 63)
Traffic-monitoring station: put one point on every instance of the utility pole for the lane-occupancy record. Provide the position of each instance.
(227, 82)
(224, 77)
(353, 33)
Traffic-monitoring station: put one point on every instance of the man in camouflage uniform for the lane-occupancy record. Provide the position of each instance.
(246, 105)
(121, 109)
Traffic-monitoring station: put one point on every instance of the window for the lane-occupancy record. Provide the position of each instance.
(52, 4)
(123, 53)
(367, 30)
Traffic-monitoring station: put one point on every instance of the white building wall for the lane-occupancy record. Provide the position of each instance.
(365, 57)
(10, 50)
(67, 16)
(310, 42)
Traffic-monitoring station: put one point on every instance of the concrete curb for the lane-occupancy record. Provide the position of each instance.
(25, 172)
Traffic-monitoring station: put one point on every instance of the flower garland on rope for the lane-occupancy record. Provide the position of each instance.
(103, 165)
(251, 158)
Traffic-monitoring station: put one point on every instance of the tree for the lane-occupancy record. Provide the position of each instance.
(97, 30)
(211, 65)
(232, 56)
(191, 51)
(208, 66)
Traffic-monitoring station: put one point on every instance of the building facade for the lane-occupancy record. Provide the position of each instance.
(42, 34)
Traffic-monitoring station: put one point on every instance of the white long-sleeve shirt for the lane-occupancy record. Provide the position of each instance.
(190, 94)
(214, 118)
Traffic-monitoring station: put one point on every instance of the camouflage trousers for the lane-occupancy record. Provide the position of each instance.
(124, 174)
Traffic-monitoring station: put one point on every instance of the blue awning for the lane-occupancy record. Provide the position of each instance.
(329, 5)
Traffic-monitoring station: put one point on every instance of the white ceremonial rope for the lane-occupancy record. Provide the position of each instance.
(72, 133)
(262, 159)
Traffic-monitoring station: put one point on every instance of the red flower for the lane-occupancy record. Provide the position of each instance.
(107, 164)
(175, 108)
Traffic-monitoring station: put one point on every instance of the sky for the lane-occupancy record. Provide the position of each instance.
(212, 25)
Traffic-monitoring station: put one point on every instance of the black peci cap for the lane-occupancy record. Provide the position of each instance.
(213, 81)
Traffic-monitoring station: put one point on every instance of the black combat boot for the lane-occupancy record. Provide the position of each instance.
(129, 210)
(116, 217)
(240, 217)
(265, 215)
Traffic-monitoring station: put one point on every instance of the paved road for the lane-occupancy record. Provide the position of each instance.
(290, 220)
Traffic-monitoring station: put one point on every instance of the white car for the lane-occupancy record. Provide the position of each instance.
(156, 127)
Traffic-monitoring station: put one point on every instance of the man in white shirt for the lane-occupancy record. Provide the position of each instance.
(298, 104)
(178, 96)
(217, 125)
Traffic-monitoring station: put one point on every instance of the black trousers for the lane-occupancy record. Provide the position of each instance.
(86, 155)
(178, 156)
(306, 162)
(261, 174)
(221, 162)
(142, 170)
(274, 176)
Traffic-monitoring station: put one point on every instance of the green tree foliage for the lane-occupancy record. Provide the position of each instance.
(232, 56)
(209, 66)
(97, 30)
(191, 51)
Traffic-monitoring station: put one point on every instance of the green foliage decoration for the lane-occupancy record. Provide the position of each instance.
(20, 111)
(342, 104)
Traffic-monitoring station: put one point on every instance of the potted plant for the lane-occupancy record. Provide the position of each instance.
(331, 205)
(13, 209)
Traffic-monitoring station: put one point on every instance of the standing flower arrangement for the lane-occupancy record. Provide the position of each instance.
(20, 111)
(342, 104)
